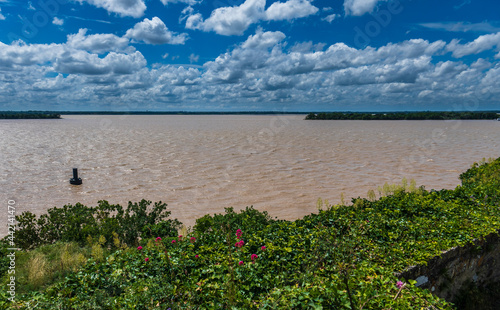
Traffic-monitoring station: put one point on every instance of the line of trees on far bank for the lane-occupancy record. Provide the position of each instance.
(426, 115)
(28, 115)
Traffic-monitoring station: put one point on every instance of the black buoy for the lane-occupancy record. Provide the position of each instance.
(75, 180)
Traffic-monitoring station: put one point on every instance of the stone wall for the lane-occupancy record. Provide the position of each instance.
(460, 269)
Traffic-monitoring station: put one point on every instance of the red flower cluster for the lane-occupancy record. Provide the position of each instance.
(193, 239)
(239, 244)
(239, 233)
(253, 257)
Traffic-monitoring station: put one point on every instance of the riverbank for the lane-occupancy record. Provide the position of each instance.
(386, 116)
(28, 115)
(342, 256)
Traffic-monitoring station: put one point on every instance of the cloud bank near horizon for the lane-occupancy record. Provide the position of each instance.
(261, 69)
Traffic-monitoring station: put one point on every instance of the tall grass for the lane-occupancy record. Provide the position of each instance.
(48, 264)
(97, 251)
(391, 189)
(37, 269)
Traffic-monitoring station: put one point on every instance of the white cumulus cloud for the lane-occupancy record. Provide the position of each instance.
(229, 20)
(154, 31)
(330, 18)
(58, 21)
(263, 40)
(290, 10)
(481, 44)
(91, 64)
(134, 8)
(235, 20)
(79, 55)
(98, 43)
(2, 17)
(360, 7)
(188, 2)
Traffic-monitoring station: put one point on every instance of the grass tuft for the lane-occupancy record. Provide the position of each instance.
(37, 269)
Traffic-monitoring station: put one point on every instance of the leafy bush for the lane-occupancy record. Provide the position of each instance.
(482, 181)
(215, 227)
(77, 222)
(297, 269)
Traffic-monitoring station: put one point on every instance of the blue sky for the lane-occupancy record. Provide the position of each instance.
(226, 55)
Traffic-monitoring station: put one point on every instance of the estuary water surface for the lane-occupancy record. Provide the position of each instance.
(202, 164)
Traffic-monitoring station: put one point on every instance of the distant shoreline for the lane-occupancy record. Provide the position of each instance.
(425, 115)
(404, 115)
(157, 112)
(29, 115)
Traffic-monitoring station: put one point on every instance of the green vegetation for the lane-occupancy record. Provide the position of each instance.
(48, 264)
(28, 114)
(74, 223)
(174, 112)
(428, 115)
(343, 257)
(390, 189)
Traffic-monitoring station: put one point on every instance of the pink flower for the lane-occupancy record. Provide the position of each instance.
(196, 256)
(158, 238)
(173, 241)
(263, 248)
(241, 262)
(239, 244)
(180, 237)
(399, 284)
(239, 233)
(146, 259)
(254, 256)
(193, 239)
(139, 248)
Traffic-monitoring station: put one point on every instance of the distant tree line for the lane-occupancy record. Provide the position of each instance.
(427, 115)
(28, 114)
(174, 112)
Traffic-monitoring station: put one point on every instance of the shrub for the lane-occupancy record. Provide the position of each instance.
(77, 222)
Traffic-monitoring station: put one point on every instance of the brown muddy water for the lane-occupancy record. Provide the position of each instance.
(202, 164)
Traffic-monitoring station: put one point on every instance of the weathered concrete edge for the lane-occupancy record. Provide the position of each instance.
(477, 262)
